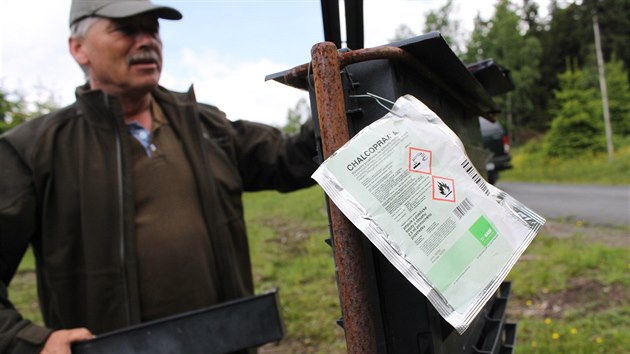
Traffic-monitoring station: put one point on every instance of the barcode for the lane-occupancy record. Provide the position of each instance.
(472, 172)
(463, 208)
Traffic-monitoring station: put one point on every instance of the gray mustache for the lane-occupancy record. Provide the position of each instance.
(144, 57)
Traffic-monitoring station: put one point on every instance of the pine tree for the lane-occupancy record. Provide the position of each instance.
(618, 97)
(502, 38)
(577, 126)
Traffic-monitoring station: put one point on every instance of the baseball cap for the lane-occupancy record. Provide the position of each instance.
(81, 9)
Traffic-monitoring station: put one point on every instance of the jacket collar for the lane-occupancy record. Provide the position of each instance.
(100, 108)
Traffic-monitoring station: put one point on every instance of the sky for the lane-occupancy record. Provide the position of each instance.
(224, 48)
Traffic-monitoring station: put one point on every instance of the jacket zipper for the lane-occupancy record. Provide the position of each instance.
(121, 221)
(122, 227)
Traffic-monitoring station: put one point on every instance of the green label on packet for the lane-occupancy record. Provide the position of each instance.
(483, 231)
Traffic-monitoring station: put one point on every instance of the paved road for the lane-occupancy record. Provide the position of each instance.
(609, 205)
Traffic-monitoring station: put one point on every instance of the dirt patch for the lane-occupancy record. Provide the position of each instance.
(291, 232)
(581, 294)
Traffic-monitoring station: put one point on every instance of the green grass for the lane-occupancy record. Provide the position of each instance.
(571, 294)
(531, 166)
(287, 233)
(569, 290)
(604, 333)
(23, 292)
(569, 258)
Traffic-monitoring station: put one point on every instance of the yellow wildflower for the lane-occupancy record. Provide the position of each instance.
(599, 340)
(573, 330)
(555, 336)
(548, 321)
(530, 302)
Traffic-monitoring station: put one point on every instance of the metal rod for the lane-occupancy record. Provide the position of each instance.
(603, 89)
(350, 260)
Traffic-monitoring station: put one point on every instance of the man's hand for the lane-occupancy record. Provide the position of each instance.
(59, 341)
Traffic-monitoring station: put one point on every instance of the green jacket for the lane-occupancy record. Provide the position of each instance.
(65, 189)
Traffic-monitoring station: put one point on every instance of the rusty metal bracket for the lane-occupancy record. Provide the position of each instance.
(294, 75)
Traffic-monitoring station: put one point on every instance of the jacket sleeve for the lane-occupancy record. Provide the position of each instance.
(17, 225)
(270, 159)
(263, 156)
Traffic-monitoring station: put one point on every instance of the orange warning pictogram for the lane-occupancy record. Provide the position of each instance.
(443, 189)
(420, 160)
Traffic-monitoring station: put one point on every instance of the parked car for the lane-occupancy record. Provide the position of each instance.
(495, 139)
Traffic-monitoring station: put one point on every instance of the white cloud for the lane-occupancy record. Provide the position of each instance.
(236, 87)
(381, 18)
(34, 48)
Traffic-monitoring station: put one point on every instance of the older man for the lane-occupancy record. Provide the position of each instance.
(131, 197)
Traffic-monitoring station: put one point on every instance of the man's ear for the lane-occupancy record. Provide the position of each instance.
(77, 49)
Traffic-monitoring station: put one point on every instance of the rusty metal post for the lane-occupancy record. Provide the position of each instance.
(349, 258)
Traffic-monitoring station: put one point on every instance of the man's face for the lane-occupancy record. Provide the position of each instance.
(123, 56)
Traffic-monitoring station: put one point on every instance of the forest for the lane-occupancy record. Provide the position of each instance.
(553, 61)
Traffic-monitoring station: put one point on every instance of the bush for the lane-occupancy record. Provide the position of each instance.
(574, 133)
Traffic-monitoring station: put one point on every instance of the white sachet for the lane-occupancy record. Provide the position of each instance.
(406, 182)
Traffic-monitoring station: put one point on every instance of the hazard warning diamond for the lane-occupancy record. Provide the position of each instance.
(443, 189)
(420, 160)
